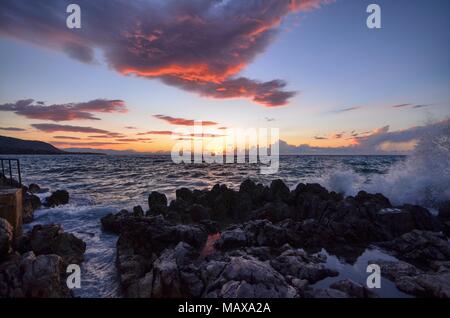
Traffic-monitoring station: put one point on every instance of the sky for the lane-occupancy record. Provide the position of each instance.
(138, 70)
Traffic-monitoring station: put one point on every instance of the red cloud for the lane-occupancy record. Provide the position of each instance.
(183, 121)
(64, 112)
(199, 46)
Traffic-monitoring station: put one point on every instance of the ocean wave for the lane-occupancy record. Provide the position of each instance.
(423, 178)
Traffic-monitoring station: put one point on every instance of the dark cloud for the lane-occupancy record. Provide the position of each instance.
(320, 138)
(49, 128)
(412, 105)
(347, 109)
(67, 137)
(183, 121)
(12, 129)
(64, 112)
(197, 45)
(130, 127)
(133, 139)
(155, 132)
(84, 144)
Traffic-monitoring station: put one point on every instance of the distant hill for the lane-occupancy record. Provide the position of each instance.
(9, 145)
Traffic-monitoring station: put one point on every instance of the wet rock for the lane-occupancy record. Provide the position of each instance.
(34, 277)
(167, 277)
(51, 239)
(249, 278)
(296, 263)
(6, 238)
(398, 221)
(199, 213)
(414, 281)
(184, 194)
(353, 289)
(231, 238)
(59, 197)
(420, 247)
(114, 222)
(30, 204)
(34, 188)
(328, 293)
(138, 211)
(157, 203)
(377, 199)
(278, 191)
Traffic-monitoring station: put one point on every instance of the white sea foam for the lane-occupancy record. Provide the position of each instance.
(423, 178)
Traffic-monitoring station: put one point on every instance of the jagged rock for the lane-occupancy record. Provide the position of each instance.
(59, 197)
(51, 239)
(35, 277)
(231, 238)
(114, 222)
(421, 247)
(138, 211)
(6, 238)
(296, 263)
(278, 191)
(249, 278)
(30, 204)
(353, 289)
(414, 281)
(157, 203)
(404, 219)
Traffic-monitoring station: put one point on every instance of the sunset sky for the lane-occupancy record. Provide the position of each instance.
(137, 70)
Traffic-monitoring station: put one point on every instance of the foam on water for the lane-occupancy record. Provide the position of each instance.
(423, 178)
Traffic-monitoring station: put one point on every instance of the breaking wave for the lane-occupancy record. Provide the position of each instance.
(423, 178)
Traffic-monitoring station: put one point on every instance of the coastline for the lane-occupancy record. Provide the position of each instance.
(301, 237)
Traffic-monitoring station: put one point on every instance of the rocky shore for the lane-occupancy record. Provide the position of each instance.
(267, 241)
(34, 264)
(257, 241)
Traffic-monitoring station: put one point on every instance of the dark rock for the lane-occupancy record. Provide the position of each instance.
(30, 204)
(231, 238)
(379, 200)
(6, 238)
(296, 263)
(34, 188)
(353, 289)
(156, 198)
(199, 213)
(420, 247)
(414, 281)
(33, 277)
(51, 239)
(138, 211)
(184, 194)
(246, 277)
(398, 221)
(278, 191)
(58, 197)
(114, 222)
(157, 203)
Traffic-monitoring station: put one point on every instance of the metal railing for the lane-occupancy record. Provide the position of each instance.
(19, 176)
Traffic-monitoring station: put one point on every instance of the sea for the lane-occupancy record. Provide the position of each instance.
(102, 184)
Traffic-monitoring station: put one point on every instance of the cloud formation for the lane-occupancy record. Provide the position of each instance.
(379, 141)
(183, 121)
(155, 132)
(64, 112)
(12, 129)
(50, 128)
(197, 45)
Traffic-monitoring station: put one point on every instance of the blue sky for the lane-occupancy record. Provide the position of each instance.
(327, 55)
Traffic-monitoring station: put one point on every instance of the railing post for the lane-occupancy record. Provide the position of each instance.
(18, 172)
